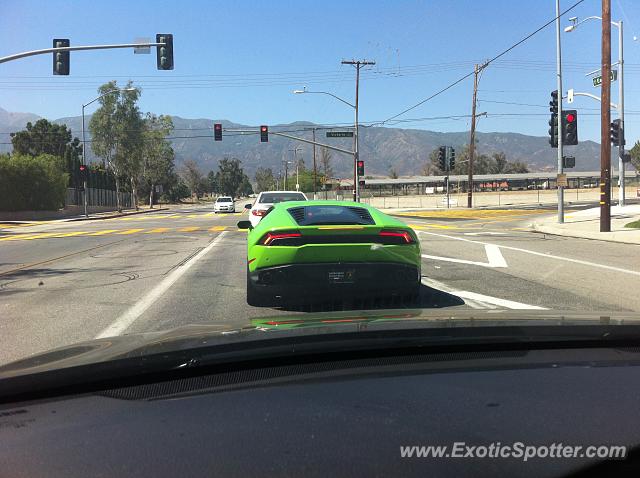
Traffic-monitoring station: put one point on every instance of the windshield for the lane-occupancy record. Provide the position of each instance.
(208, 165)
(274, 198)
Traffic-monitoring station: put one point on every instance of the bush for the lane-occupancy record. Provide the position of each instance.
(32, 183)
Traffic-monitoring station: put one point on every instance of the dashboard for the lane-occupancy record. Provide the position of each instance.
(338, 418)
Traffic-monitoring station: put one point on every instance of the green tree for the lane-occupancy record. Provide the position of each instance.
(44, 137)
(245, 187)
(498, 164)
(325, 163)
(212, 183)
(117, 130)
(264, 179)
(635, 155)
(193, 178)
(229, 176)
(393, 174)
(157, 153)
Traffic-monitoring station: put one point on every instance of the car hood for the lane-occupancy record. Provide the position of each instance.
(261, 329)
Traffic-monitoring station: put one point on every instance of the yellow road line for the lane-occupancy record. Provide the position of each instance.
(158, 229)
(129, 231)
(102, 233)
(69, 234)
(218, 228)
(188, 229)
(27, 236)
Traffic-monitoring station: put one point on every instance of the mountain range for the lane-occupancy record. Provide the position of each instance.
(382, 148)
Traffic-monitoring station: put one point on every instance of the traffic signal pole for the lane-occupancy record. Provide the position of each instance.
(605, 120)
(560, 138)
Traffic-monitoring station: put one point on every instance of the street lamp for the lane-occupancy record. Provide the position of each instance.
(84, 144)
(355, 135)
(620, 106)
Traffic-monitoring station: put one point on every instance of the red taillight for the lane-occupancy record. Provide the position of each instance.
(406, 237)
(280, 238)
(259, 212)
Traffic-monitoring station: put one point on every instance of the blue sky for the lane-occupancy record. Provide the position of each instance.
(241, 60)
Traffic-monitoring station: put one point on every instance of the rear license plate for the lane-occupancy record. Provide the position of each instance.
(342, 277)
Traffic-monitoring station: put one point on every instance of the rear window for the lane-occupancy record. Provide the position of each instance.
(330, 215)
(224, 200)
(274, 198)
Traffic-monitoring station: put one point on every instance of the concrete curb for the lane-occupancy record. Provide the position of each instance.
(111, 216)
(615, 236)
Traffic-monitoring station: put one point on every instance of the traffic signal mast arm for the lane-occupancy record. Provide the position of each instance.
(75, 48)
(303, 140)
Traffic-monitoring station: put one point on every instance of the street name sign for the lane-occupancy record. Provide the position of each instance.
(597, 80)
(339, 134)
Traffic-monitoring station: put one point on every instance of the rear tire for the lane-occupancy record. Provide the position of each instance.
(254, 297)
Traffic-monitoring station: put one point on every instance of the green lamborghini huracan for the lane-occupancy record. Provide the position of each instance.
(306, 251)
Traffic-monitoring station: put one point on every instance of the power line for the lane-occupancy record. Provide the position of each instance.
(488, 62)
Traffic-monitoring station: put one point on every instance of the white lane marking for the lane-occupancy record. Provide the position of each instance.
(494, 257)
(486, 233)
(486, 300)
(131, 315)
(542, 254)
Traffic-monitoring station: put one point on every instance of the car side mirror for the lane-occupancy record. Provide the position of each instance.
(244, 225)
(247, 206)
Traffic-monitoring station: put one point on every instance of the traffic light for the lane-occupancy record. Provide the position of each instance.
(442, 160)
(60, 58)
(360, 168)
(452, 158)
(615, 132)
(83, 173)
(568, 161)
(553, 131)
(553, 104)
(164, 54)
(569, 128)
(217, 132)
(264, 134)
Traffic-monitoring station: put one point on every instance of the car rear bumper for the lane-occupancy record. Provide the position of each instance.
(326, 280)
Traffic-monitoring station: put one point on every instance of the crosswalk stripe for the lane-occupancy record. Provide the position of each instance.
(129, 231)
(101, 233)
(218, 228)
(158, 229)
(188, 229)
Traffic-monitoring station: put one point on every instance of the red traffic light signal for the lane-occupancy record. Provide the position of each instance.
(360, 168)
(571, 118)
(264, 134)
(217, 132)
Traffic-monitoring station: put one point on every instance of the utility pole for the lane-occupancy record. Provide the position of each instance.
(315, 173)
(472, 140)
(621, 191)
(356, 185)
(605, 120)
(560, 138)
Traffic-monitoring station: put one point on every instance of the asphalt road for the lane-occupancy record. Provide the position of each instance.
(65, 282)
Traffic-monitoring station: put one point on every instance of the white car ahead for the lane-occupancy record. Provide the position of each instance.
(224, 204)
(266, 199)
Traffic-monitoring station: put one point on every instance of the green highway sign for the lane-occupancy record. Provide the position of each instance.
(339, 134)
(597, 80)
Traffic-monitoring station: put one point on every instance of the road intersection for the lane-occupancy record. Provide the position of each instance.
(65, 282)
